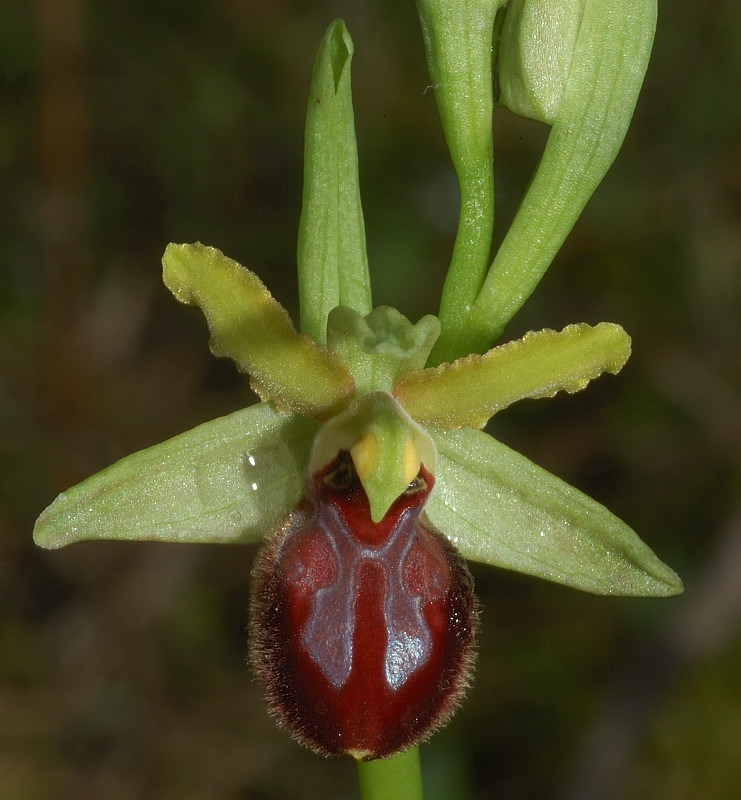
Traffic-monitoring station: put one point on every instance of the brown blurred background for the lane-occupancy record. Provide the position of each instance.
(125, 125)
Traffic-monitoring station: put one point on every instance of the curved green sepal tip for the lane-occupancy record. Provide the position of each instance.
(228, 480)
(381, 346)
(249, 326)
(387, 447)
(501, 509)
(472, 389)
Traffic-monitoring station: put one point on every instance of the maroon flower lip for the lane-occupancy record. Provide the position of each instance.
(362, 634)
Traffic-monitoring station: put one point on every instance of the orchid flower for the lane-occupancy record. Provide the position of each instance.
(364, 389)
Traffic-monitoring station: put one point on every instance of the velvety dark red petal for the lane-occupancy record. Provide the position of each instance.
(361, 633)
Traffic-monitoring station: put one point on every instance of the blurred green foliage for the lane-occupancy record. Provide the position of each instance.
(125, 125)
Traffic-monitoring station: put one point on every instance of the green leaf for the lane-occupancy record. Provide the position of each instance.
(501, 509)
(458, 37)
(228, 480)
(248, 325)
(332, 259)
(472, 389)
(607, 68)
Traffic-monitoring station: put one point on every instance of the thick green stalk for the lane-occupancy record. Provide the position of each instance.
(397, 778)
(458, 44)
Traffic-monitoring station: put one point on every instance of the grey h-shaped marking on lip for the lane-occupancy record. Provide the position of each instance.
(329, 632)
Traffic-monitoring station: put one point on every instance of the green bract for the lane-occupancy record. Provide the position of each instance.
(576, 64)
(369, 381)
(332, 260)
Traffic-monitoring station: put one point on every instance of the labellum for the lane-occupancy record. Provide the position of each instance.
(361, 632)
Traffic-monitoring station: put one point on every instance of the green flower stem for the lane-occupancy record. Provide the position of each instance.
(589, 105)
(458, 43)
(332, 260)
(397, 778)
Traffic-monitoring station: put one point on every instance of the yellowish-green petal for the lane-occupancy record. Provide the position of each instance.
(472, 389)
(249, 326)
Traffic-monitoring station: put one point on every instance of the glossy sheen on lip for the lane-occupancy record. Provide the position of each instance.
(361, 633)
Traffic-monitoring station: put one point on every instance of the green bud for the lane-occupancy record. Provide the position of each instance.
(537, 43)
(381, 346)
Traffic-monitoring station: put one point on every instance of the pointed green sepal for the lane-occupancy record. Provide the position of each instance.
(332, 260)
(472, 389)
(501, 509)
(387, 447)
(381, 346)
(249, 326)
(228, 480)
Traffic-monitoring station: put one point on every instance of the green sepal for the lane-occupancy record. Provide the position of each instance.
(228, 480)
(608, 64)
(332, 259)
(381, 346)
(249, 326)
(501, 509)
(387, 447)
(472, 389)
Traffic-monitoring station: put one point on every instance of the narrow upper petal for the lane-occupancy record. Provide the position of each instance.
(249, 326)
(472, 389)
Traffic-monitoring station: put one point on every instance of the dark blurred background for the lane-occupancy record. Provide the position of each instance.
(126, 125)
